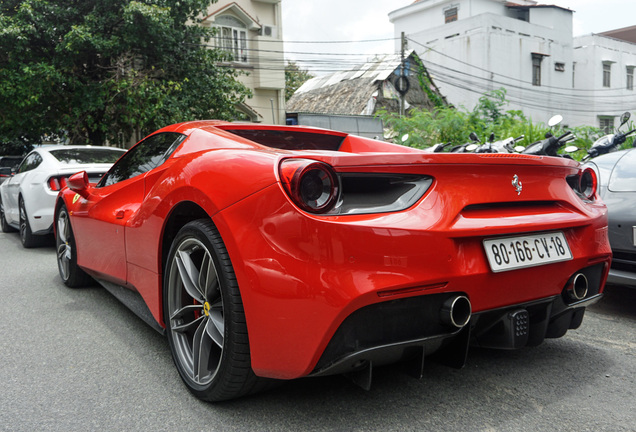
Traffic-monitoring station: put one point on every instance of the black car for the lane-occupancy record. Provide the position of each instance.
(8, 165)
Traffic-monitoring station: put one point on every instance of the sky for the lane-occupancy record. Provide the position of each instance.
(350, 31)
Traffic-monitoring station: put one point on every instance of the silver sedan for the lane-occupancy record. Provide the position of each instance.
(617, 185)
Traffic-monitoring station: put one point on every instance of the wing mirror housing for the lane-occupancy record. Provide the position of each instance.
(78, 182)
(625, 118)
(555, 120)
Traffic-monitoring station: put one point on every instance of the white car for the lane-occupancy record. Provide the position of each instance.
(27, 199)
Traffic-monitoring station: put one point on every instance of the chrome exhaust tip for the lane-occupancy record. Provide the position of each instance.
(578, 287)
(456, 311)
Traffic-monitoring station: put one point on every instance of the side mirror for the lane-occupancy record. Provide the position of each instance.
(473, 137)
(555, 120)
(625, 118)
(492, 137)
(78, 182)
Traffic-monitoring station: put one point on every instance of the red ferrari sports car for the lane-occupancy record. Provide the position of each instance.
(274, 252)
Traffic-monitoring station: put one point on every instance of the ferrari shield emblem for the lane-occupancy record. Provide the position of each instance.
(75, 198)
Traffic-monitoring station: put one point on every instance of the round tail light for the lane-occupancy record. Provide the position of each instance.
(313, 186)
(588, 183)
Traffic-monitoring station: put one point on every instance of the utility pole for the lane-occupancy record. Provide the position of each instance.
(402, 79)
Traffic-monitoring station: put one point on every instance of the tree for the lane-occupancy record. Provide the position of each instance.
(97, 70)
(294, 78)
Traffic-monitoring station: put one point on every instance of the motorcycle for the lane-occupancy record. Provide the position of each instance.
(469, 146)
(437, 148)
(610, 143)
(502, 146)
(551, 144)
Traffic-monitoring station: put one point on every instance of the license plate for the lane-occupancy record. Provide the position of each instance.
(510, 253)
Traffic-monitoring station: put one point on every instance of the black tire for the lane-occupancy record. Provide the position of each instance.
(26, 235)
(4, 225)
(204, 316)
(71, 274)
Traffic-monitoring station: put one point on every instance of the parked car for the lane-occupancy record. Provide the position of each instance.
(8, 165)
(27, 199)
(283, 252)
(617, 184)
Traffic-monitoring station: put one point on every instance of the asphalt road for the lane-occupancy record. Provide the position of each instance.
(78, 360)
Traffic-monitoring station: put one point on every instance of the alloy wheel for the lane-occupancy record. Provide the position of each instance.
(64, 248)
(195, 311)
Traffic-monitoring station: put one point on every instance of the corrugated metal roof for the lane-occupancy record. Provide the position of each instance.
(378, 69)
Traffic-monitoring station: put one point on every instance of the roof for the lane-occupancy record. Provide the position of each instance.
(378, 69)
(361, 90)
(346, 92)
(627, 34)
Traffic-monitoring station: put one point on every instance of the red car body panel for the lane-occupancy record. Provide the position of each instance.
(300, 274)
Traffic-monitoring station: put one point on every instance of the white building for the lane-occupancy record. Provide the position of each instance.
(474, 46)
(251, 30)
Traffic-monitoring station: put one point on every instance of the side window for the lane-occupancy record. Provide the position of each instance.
(30, 162)
(147, 155)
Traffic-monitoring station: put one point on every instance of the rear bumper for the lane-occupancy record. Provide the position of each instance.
(411, 328)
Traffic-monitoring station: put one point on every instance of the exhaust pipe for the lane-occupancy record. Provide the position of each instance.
(578, 286)
(456, 311)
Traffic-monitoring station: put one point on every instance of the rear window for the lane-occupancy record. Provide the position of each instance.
(290, 139)
(87, 155)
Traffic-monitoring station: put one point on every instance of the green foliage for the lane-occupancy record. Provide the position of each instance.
(96, 70)
(426, 84)
(448, 124)
(294, 78)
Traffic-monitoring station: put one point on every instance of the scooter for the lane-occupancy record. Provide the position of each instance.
(437, 148)
(502, 146)
(551, 144)
(610, 143)
(469, 146)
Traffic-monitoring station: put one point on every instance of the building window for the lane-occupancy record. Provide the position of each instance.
(630, 77)
(559, 67)
(607, 74)
(231, 37)
(523, 15)
(606, 124)
(573, 74)
(536, 69)
(450, 15)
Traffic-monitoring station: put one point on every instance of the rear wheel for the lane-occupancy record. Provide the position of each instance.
(4, 225)
(204, 316)
(71, 274)
(26, 235)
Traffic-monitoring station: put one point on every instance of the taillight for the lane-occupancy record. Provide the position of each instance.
(588, 183)
(54, 184)
(57, 183)
(313, 186)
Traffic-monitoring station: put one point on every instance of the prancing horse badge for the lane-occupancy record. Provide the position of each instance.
(517, 184)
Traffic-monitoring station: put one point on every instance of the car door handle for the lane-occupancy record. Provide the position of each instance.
(120, 214)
